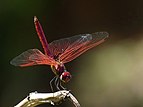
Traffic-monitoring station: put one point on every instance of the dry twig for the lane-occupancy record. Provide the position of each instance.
(35, 98)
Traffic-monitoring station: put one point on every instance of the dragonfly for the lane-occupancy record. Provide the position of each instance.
(58, 52)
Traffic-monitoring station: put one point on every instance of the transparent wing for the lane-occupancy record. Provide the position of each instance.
(78, 50)
(32, 57)
(68, 49)
(58, 47)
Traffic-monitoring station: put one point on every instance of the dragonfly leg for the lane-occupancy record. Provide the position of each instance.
(51, 83)
(62, 86)
(57, 83)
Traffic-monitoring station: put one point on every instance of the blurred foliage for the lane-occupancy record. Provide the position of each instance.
(110, 76)
(113, 78)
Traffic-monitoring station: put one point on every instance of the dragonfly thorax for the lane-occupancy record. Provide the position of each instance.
(58, 69)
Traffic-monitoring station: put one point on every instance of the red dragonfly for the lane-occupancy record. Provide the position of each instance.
(58, 52)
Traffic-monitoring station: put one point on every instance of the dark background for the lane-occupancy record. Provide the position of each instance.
(108, 76)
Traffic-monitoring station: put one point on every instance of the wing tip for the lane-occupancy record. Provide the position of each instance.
(103, 34)
(12, 62)
(107, 34)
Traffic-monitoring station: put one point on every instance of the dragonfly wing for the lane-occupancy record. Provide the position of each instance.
(62, 46)
(87, 42)
(32, 57)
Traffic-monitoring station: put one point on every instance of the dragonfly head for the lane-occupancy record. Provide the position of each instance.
(65, 77)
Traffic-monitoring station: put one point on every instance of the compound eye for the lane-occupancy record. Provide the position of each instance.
(65, 77)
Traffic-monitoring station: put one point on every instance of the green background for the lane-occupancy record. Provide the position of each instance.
(110, 75)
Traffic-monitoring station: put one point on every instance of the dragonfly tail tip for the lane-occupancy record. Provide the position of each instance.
(35, 19)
